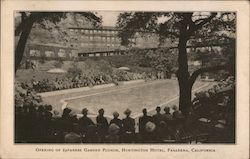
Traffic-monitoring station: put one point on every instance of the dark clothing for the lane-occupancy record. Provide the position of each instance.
(167, 117)
(145, 136)
(102, 127)
(157, 118)
(129, 129)
(84, 123)
(142, 123)
(129, 124)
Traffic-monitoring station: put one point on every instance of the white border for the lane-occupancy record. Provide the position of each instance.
(10, 150)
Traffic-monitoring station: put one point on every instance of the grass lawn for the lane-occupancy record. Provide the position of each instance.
(135, 97)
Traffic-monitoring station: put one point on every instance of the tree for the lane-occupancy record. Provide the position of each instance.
(28, 19)
(184, 28)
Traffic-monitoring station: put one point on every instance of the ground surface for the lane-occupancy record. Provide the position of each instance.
(135, 97)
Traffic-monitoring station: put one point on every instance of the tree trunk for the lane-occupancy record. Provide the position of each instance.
(22, 41)
(183, 74)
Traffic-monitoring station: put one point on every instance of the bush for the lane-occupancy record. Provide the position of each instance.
(58, 64)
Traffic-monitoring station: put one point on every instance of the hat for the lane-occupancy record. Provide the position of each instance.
(84, 110)
(113, 129)
(115, 114)
(150, 127)
(127, 112)
(67, 110)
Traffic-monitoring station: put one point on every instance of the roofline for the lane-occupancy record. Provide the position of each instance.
(103, 28)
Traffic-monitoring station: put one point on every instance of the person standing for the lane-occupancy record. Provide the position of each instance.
(85, 122)
(143, 120)
(128, 127)
(102, 125)
(168, 118)
(117, 122)
(157, 119)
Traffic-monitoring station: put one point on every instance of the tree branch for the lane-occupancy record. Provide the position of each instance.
(19, 28)
(196, 27)
(196, 73)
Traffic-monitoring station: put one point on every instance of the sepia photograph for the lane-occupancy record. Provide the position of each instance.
(134, 77)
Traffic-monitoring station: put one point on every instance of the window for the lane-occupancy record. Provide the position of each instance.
(91, 37)
(61, 53)
(91, 55)
(97, 54)
(35, 53)
(113, 38)
(49, 53)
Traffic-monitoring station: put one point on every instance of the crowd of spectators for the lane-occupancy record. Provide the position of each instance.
(37, 122)
(84, 80)
(216, 106)
(41, 123)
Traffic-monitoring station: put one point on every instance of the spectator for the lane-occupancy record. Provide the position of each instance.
(118, 122)
(168, 119)
(84, 122)
(128, 127)
(167, 116)
(65, 121)
(178, 118)
(157, 118)
(102, 125)
(177, 114)
(143, 120)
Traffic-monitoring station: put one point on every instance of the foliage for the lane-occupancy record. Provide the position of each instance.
(193, 28)
(28, 19)
(58, 63)
(74, 70)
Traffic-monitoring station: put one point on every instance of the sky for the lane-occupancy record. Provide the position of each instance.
(109, 18)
